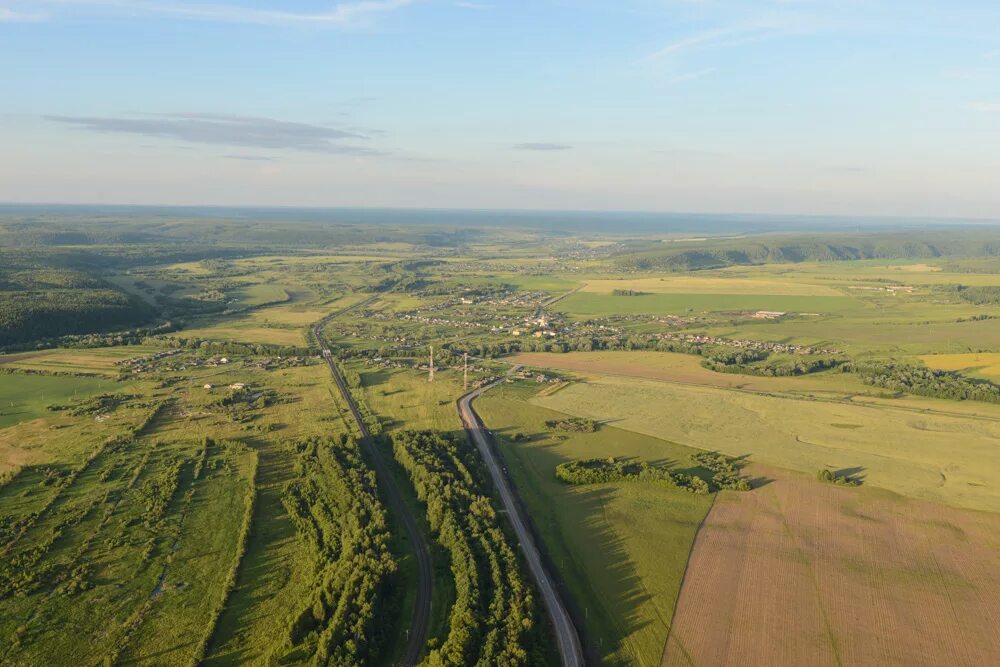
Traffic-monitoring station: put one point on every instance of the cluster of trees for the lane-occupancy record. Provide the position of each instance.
(232, 348)
(492, 614)
(980, 295)
(334, 506)
(781, 367)
(725, 473)
(924, 381)
(725, 470)
(97, 405)
(826, 475)
(573, 424)
(626, 292)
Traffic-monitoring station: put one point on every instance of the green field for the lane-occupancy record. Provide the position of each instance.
(621, 548)
(896, 448)
(27, 397)
(587, 303)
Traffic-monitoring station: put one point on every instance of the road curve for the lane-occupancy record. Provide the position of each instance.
(417, 634)
(570, 650)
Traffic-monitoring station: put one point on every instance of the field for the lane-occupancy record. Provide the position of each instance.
(798, 572)
(687, 369)
(985, 364)
(96, 361)
(584, 303)
(686, 284)
(896, 448)
(27, 397)
(621, 548)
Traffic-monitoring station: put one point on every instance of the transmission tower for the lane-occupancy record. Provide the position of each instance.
(431, 378)
(465, 373)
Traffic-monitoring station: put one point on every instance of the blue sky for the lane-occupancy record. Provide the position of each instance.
(885, 107)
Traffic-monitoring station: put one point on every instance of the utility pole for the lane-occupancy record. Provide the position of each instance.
(465, 374)
(431, 379)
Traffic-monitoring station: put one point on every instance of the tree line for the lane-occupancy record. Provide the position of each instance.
(334, 506)
(923, 381)
(492, 615)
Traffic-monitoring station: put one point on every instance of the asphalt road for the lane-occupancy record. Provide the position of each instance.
(417, 634)
(570, 650)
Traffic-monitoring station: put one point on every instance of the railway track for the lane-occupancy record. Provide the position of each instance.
(420, 621)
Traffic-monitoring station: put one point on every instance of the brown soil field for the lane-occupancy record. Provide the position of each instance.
(798, 572)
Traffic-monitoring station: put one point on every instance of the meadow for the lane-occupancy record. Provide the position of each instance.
(587, 304)
(895, 447)
(27, 397)
(620, 548)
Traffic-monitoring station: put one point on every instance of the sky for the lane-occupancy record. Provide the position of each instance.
(842, 107)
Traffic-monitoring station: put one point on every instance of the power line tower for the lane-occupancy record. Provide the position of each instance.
(465, 373)
(431, 378)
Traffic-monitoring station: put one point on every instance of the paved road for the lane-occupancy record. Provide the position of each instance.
(568, 639)
(417, 634)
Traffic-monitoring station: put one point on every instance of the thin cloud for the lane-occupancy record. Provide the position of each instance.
(715, 38)
(480, 6)
(343, 14)
(250, 158)
(220, 129)
(987, 107)
(10, 16)
(542, 146)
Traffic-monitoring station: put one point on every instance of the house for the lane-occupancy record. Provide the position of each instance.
(238, 385)
(208, 387)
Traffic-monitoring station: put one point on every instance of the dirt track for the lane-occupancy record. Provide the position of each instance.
(803, 573)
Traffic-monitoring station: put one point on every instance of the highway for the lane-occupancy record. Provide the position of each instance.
(417, 633)
(568, 640)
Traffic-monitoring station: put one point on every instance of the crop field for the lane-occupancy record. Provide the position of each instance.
(621, 548)
(686, 284)
(986, 364)
(583, 303)
(896, 448)
(798, 572)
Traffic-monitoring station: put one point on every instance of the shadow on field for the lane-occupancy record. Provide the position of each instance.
(576, 539)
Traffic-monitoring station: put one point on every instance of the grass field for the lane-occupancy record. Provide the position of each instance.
(27, 397)
(584, 303)
(897, 448)
(408, 401)
(100, 361)
(620, 548)
(986, 364)
(686, 284)
(687, 369)
(803, 573)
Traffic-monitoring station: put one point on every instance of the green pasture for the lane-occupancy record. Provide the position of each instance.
(591, 304)
(918, 448)
(25, 397)
(621, 548)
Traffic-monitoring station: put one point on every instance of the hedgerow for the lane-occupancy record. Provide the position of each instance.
(492, 614)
